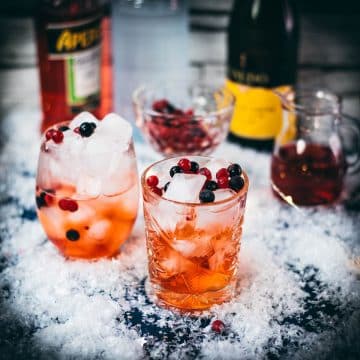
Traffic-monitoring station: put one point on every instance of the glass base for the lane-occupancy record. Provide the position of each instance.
(193, 302)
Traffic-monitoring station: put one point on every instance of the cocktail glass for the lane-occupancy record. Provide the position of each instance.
(192, 248)
(87, 187)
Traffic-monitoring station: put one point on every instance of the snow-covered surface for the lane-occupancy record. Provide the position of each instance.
(298, 289)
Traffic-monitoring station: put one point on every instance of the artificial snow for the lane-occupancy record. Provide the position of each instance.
(297, 292)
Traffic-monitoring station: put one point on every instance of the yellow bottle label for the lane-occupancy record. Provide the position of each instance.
(258, 112)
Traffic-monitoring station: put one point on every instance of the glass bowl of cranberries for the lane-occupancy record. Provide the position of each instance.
(182, 120)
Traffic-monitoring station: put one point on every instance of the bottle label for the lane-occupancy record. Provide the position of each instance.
(78, 45)
(258, 112)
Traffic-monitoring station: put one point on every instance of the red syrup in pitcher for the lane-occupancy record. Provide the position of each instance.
(312, 174)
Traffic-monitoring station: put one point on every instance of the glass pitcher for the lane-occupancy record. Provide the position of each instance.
(309, 162)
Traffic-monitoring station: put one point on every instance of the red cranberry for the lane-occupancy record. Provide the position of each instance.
(68, 205)
(222, 173)
(57, 136)
(223, 182)
(77, 130)
(218, 326)
(156, 190)
(49, 199)
(49, 134)
(160, 105)
(185, 164)
(152, 180)
(206, 172)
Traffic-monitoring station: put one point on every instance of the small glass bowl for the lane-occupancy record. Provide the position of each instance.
(178, 120)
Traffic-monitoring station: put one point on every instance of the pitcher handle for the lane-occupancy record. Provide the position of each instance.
(354, 129)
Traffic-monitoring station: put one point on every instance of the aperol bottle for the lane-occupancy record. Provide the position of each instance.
(74, 56)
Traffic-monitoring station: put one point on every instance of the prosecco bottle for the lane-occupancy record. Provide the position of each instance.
(74, 56)
(262, 57)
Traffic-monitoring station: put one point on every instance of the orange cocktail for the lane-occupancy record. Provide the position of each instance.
(87, 187)
(193, 244)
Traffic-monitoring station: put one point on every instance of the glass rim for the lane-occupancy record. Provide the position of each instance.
(289, 103)
(149, 111)
(239, 194)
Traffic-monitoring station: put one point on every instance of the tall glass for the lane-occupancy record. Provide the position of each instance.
(192, 248)
(87, 212)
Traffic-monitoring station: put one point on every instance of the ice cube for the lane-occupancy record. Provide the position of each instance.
(115, 127)
(83, 216)
(223, 194)
(198, 245)
(88, 186)
(215, 165)
(185, 188)
(99, 229)
(85, 116)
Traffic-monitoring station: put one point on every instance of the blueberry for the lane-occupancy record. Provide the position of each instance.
(86, 129)
(206, 196)
(194, 166)
(234, 170)
(166, 186)
(211, 185)
(175, 170)
(63, 128)
(236, 183)
(40, 200)
(72, 235)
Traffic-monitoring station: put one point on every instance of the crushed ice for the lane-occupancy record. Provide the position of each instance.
(297, 294)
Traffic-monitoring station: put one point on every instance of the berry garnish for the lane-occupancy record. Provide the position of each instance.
(40, 200)
(175, 170)
(72, 235)
(211, 185)
(184, 164)
(64, 128)
(222, 173)
(160, 105)
(68, 205)
(49, 199)
(49, 134)
(152, 180)
(57, 137)
(236, 183)
(218, 326)
(206, 172)
(223, 182)
(234, 169)
(166, 186)
(77, 130)
(86, 129)
(194, 167)
(206, 196)
(156, 190)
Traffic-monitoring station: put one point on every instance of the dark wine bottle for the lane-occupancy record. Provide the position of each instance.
(262, 57)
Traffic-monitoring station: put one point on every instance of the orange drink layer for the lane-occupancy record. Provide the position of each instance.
(192, 248)
(87, 186)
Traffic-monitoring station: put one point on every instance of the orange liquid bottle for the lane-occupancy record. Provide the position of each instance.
(74, 56)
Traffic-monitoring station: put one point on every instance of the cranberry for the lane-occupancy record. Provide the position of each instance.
(236, 183)
(156, 190)
(77, 130)
(206, 196)
(72, 235)
(49, 199)
(234, 169)
(160, 105)
(68, 205)
(206, 172)
(222, 173)
(223, 182)
(189, 112)
(152, 180)
(57, 136)
(218, 326)
(49, 134)
(184, 164)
